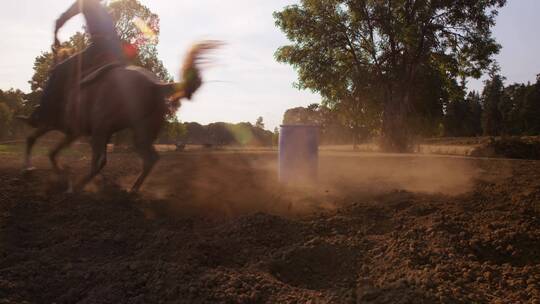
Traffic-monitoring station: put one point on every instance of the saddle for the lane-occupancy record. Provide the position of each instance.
(97, 72)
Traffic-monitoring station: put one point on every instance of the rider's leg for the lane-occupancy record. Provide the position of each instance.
(52, 98)
(51, 95)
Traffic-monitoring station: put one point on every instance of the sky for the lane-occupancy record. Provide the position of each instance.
(245, 81)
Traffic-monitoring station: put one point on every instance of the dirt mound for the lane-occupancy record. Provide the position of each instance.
(391, 246)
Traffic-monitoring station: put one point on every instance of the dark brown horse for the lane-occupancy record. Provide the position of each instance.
(121, 97)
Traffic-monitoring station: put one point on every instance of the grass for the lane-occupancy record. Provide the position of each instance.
(11, 150)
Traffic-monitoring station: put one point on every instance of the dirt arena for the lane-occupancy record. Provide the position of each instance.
(217, 227)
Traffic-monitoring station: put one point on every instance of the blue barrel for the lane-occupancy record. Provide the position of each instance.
(298, 154)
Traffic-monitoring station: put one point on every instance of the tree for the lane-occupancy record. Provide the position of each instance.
(259, 123)
(492, 97)
(531, 109)
(299, 115)
(195, 133)
(463, 116)
(220, 133)
(5, 120)
(474, 117)
(13, 103)
(511, 107)
(360, 118)
(172, 131)
(430, 92)
(275, 137)
(137, 26)
(375, 50)
(333, 124)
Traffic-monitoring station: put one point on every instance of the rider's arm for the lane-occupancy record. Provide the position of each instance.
(74, 10)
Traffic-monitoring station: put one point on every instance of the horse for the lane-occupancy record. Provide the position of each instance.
(115, 98)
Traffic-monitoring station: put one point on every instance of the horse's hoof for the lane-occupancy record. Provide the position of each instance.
(69, 189)
(28, 171)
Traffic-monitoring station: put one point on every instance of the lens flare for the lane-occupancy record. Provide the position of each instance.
(146, 30)
(241, 133)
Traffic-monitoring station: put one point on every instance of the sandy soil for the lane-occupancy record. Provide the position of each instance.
(219, 228)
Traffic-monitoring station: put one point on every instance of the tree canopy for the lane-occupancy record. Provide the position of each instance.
(492, 96)
(12, 103)
(137, 26)
(372, 53)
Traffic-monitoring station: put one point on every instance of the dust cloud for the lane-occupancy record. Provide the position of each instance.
(233, 184)
(414, 173)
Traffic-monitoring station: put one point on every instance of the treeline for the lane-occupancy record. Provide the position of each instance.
(224, 134)
(333, 130)
(512, 110)
(498, 110)
(15, 102)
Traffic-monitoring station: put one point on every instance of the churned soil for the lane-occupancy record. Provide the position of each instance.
(219, 228)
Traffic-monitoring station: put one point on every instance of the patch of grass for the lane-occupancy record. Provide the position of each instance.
(11, 149)
(37, 151)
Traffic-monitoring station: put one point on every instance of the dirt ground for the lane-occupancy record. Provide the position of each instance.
(217, 227)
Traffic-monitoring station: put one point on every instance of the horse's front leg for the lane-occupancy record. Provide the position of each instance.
(30, 142)
(66, 142)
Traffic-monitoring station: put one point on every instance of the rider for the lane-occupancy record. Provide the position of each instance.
(105, 47)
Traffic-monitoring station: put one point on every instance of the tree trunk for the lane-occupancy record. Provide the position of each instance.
(395, 133)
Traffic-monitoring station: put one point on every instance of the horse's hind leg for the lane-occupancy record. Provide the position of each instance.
(99, 159)
(30, 141)
(54, 153)
(149, 156)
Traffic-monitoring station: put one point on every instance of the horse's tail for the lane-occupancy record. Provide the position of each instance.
(191, 72)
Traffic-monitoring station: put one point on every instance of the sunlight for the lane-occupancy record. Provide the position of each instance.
(147, 32)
